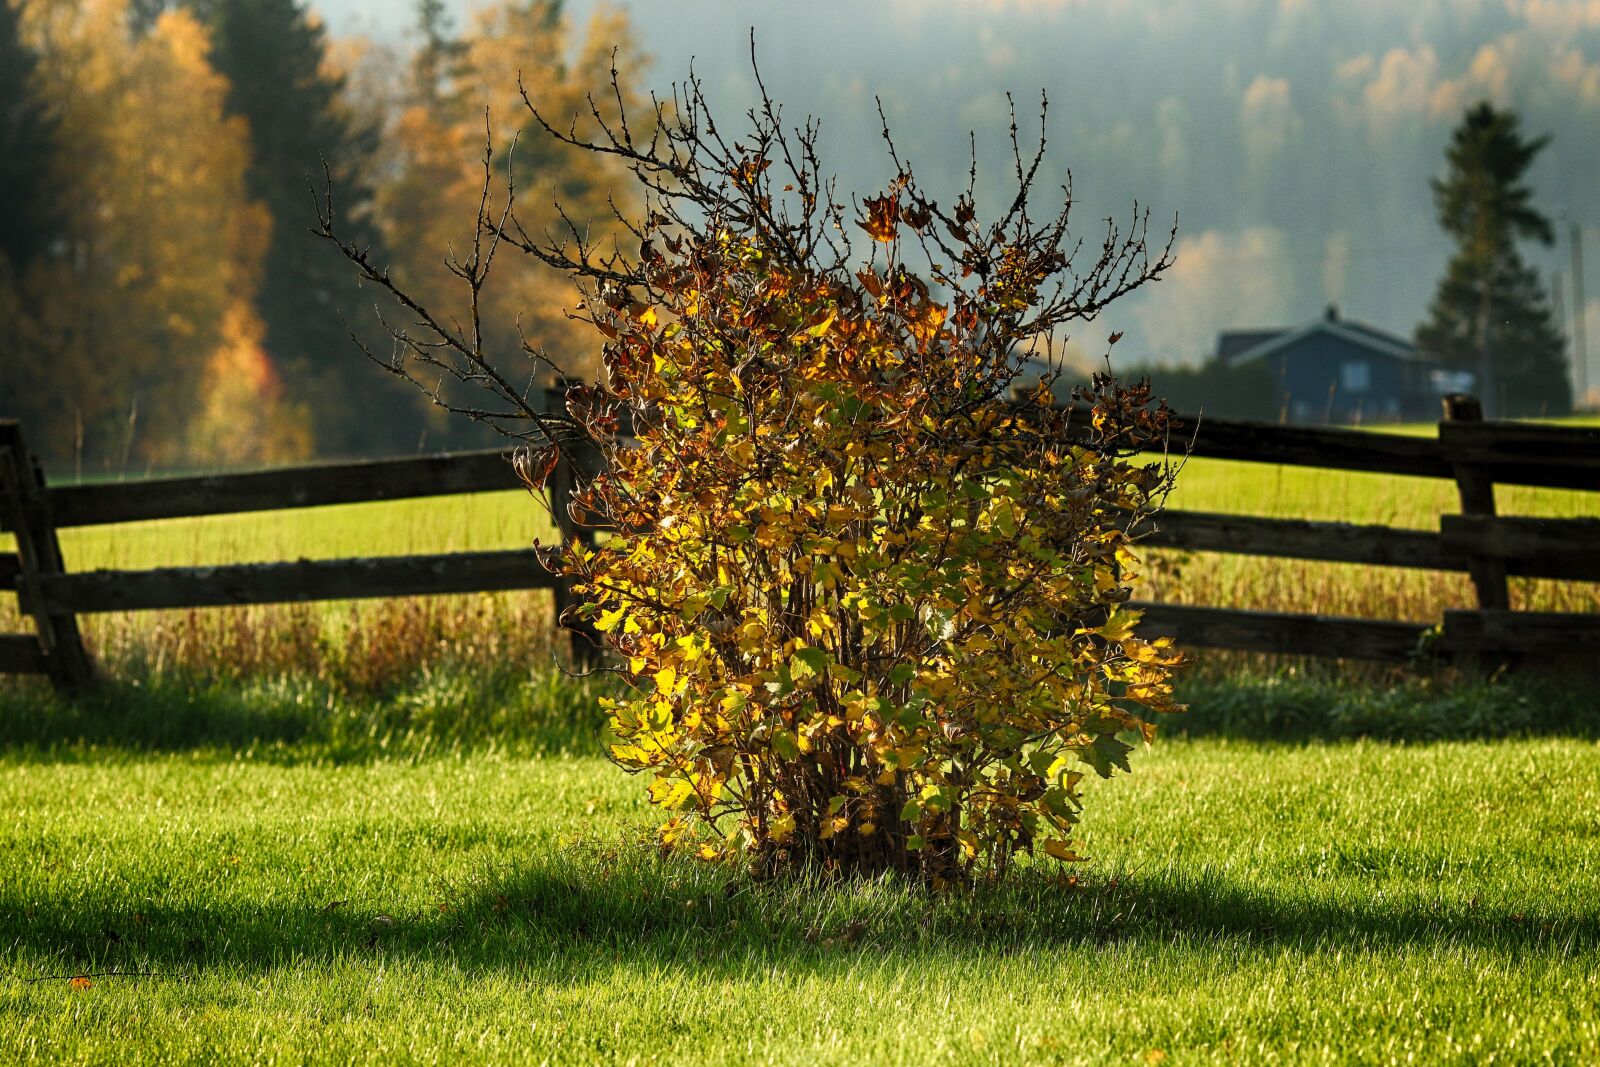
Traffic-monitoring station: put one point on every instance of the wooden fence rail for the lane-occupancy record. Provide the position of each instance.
(1475, 455)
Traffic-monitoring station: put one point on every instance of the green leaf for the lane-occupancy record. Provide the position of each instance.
(936, 798)
(808, 662)
(1106, 754)
(784, 743)
(1005, 518)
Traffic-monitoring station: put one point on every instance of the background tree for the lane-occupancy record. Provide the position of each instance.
(1492, 314)
(32, 215)
(462, 89)
(1217, 389)
(273, 55)
(163, 241)
(161, 295)
(437, 54)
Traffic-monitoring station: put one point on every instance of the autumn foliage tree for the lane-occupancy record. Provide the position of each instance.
(160, 252)
(867, 600)
(463, 85)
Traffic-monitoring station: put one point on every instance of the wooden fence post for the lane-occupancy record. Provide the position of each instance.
(585, 641)
(25, 511)
(1476, 489)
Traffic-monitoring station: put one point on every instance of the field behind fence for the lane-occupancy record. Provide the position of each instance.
(1279, 539)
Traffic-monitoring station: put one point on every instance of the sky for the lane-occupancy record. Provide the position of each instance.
(1292, 140)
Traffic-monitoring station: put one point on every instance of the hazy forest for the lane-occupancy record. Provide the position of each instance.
(163, 299)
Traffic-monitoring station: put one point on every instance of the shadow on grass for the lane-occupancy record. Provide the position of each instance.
(1319, 704)
(611, 911)
(296, 718)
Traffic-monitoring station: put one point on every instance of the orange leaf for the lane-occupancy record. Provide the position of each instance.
(880, 223)
(80, 982)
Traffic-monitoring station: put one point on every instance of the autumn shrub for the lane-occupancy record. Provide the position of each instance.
(864, 582)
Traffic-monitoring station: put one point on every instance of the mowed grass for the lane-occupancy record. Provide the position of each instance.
(424, 861)
(1353, 902)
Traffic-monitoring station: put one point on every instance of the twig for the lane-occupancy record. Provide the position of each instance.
(106, 974)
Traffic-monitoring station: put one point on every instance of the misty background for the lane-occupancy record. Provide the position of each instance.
(1293, 140)
(165, 303)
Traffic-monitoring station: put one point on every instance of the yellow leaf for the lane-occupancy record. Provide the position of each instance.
(671, 794)
(1119, 627)
(822, 327)
(1062, 851)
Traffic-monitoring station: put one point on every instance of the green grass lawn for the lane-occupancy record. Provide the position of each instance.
(1244, 903)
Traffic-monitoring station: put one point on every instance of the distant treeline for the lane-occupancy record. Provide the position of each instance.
(163, 299)
(1241, 391)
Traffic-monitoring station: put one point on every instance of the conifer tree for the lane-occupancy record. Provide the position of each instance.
(1491, 315)
(31, 216)
(273, 54)
(436, 55)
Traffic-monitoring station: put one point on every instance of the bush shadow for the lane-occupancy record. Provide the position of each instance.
(621, 912)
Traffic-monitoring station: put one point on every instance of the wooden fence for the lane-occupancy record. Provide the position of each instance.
(1476, 455)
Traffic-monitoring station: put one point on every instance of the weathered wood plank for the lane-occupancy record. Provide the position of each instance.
(1302, 446)
(1562, 457)
(1508, 452)
(288, 487)
(1475, 488)
(1539, 548)
(1336, 542)
(1269, 631)
(26, 509)
(22, 654)
(1548, 635)
(303, 580)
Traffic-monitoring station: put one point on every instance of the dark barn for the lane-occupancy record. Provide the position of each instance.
(1333, 370)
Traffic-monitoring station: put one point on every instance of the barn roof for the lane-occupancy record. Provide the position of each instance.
(1243, 346)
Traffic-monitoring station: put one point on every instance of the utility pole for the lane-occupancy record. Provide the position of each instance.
(1579, 343)
(1558, 302)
